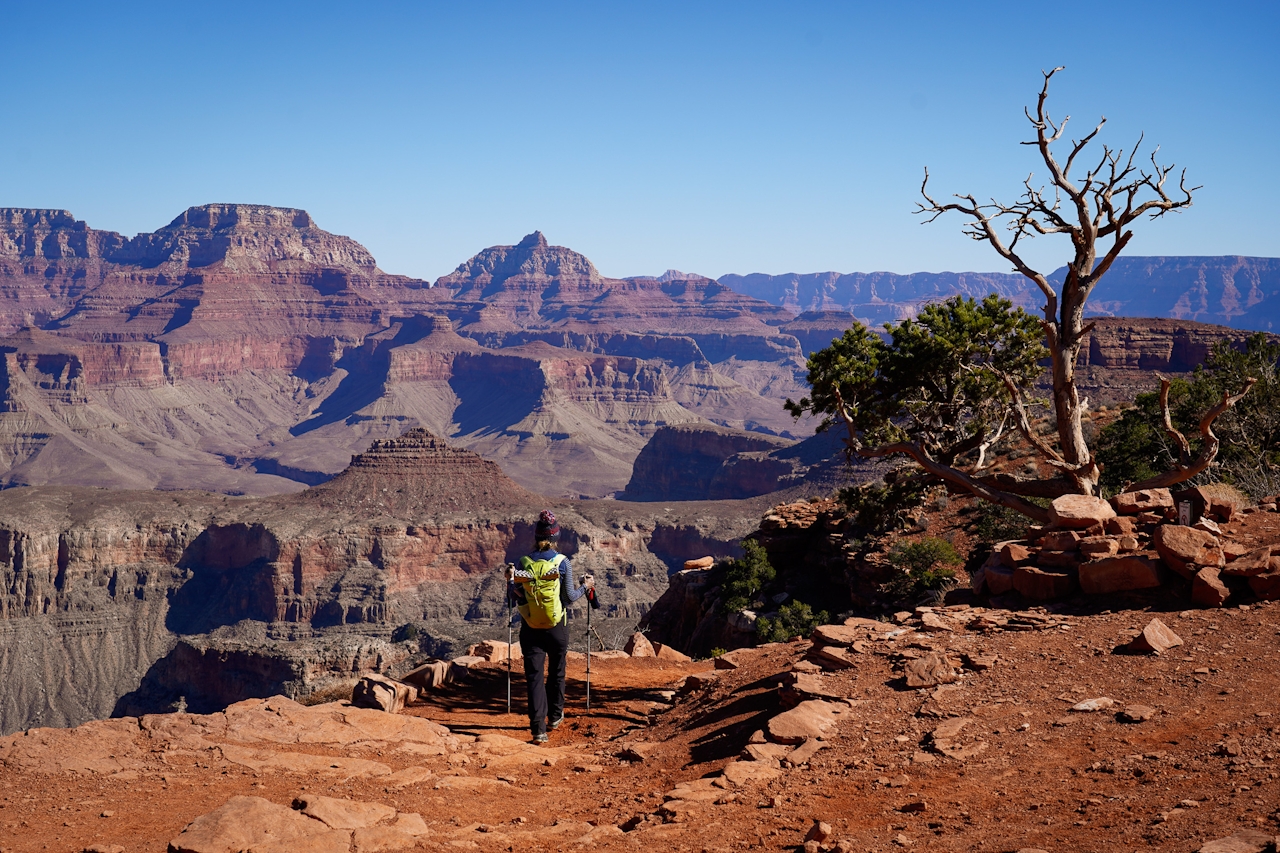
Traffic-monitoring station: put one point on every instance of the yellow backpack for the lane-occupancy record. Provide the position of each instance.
(541, 581)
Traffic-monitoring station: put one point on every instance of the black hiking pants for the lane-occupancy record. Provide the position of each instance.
(547, 647)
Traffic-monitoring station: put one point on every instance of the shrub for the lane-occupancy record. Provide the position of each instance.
(880, 507)
(922, 566)
(795, 619)
(746, 577)
(995, 523)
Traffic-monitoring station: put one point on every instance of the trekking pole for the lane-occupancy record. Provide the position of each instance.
(509, 619)
(591, 600)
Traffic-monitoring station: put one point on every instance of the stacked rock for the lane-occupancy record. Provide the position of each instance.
(1132, 542)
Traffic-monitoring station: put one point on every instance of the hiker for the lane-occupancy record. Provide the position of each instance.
(542, 587)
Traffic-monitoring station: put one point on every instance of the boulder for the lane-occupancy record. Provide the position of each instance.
(1076, 512)
(1256, 562)
(930, 670)
(1118, 574)
(1050, 559)
(1185, 549)
(1039, 585)
(1144, 500)
(495, 651)
(1207, 588)
(700, 563)
(1266, 586)
(639, 646)
(998, 579)
(1014, 554)
(429, 676)
(459, 666)
(667, 653)
(1154, 639)
(380, 693)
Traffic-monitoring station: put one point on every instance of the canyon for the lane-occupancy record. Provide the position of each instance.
(240, 459)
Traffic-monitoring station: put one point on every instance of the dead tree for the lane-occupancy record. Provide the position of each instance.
(1095, 211)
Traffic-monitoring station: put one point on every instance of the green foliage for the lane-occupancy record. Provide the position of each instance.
(997, 524)
(922, 566)
(878, 507)
(746, 577)
(937, 380)
(717, 651)
(408, 631)
(794, 619)
(1136, 447)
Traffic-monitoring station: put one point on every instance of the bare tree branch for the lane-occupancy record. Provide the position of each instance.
(1208, 448)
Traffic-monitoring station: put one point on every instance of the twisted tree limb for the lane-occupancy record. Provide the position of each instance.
(1188, 467)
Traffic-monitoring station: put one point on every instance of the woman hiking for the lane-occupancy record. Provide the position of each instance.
(542, 587)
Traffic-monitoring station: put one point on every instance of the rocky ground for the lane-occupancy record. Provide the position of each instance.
(996, 750)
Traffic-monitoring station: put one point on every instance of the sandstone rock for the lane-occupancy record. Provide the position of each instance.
(1098, 547)
(733, 659)
(1121, 525)
(495, 651)
(1042, 586)
(766, 752)
(381, 693)
(1208, 526)
(1079, 511)
(458, 666)
(662, 652)
(1266, 586)
(1256, 562)
(820, 832)
(805, 751)
(699, 681)
(700, 563)
(1136, 714)
(1145, 500)
(244, 823)
(1060, 540)
(1014, 554)
(811, 719)
(342, 814)
(1245, 841)
(1184, 549)
(1155, 638)
(1207, 589)
(838, 635)
(930, 670)
(832, 657)
(1129, 543)
(431, 675)
(740, 773)
(639, 646)
(999, 579)
(809, 686)
(1052, 559)
(1118, 574)
(1101, 703)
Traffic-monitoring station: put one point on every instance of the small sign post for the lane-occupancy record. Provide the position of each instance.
(1184, 513)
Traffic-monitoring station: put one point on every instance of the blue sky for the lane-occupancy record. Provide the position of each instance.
(708, 137)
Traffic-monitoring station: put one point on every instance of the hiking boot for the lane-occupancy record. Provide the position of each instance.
(541, 737)
(554, 724)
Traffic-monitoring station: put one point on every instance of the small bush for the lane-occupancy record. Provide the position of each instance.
(922, 566)
(795, 619)
(997, 523)
(746, 577)
(880, 507)
(717, 651)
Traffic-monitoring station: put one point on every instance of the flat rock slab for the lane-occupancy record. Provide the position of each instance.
(1144, 500)
(811, 719)
(1154, 639)
(741, 773)
(1118, 574)
(343, 814)
(1079, 511)
(840, 635)
(244, 823)
(1245, 841)
(301, 762)
(1101, 703)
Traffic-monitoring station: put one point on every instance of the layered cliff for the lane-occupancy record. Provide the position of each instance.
(135, 601)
